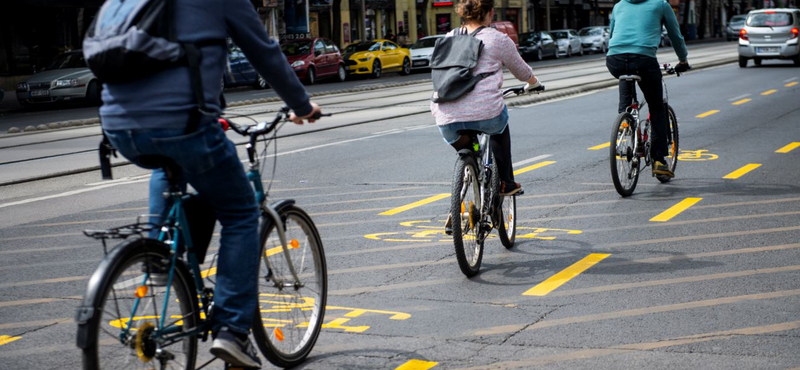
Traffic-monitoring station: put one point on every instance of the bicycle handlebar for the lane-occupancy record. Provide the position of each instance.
(521, 90)
(263, 128)
(677, 70)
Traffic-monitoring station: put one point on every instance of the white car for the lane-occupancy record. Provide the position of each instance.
(421, 52)
(65, 79)
(595, 38)
(568, 41)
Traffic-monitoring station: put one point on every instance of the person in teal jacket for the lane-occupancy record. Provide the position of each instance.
(635, 36)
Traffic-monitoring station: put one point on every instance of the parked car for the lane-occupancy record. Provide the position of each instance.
(507, 28)
(568, 42)
(537, 45)
(315, 58)
(595, 38)
(376, 56)
(770, 34)
(240, 72)
(422, 50)
(734, 26)
(66, 78)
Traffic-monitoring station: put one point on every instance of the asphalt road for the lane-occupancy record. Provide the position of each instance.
(714, 287)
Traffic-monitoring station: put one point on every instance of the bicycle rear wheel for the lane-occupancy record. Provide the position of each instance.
(624, 162)
(465, 205)
(672, 143)
(128, 292)
(506, 212)
(289, 317)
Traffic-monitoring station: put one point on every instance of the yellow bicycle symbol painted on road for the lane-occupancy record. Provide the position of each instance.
(696, 155)
(427, 231)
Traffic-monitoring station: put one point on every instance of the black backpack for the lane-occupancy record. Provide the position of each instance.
(452, 62)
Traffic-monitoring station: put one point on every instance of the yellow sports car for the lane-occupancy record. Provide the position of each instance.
(376, 56)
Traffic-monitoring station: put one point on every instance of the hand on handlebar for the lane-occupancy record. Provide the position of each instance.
(682, 67)
(312, 117)
(537, 86)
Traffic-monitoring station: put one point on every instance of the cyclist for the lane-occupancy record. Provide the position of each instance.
(149, 117)
(635, 36)
(483, 109)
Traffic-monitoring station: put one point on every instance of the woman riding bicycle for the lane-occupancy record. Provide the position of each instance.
(483, 109)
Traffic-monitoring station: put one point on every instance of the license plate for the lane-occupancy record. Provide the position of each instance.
(420, 63)
(767, 50)
(36, 93)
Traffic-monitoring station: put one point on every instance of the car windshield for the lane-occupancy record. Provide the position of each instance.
(425, 43)
(769, 20)
(68, 60)
(738, 18)
(528, 38)
(560, 34)
(363, 46)
(296, 48)
(590, 32)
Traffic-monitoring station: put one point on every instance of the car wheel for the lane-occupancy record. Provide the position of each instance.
(342, 73)
(757, 62)
(797, 60)
(261, 83)
(569, 52)
(406, 70)
(311, 77)
(539, 55)
(603, 49)
(376, 69)
(742, 62)
(581, 50)
(558, 54)
(93, 93)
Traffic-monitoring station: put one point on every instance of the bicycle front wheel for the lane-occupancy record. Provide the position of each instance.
(624, 161)
(290, 313)
(465, 205)
(672, 143)
(129, 293)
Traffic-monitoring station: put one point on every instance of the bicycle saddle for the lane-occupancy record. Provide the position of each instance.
(171, 169)
(630, 78)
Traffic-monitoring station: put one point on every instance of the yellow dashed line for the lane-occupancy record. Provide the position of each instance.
(415, 204)
(768, 92)
(742, 171)
(675, 210)
(561, 278)
(417, 365)
(706, 114)
(739, 102)
(601, 146)
(788, 148)
(6, 339)
(533, 167)
(790, 84)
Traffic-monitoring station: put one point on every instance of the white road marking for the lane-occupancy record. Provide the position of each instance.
(534, 159)
(69, 193)
(739, 97)
(791, 79)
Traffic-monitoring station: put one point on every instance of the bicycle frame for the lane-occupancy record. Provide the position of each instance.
(643, 135)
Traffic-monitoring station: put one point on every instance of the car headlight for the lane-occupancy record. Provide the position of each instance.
(65, 83)
(22, 86)
(298, 63)
(367, 59)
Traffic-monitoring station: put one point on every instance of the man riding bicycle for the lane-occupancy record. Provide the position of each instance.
(148, 119)
(635, 36)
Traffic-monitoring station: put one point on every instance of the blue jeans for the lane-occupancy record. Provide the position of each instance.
(209, 162)
(492, 126)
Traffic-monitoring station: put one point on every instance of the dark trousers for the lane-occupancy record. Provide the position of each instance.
(501, 149)
(648, 69)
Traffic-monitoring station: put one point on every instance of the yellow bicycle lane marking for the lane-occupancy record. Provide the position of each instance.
(742, 171)
(675, 210)
(740, 102)
(567, 274)
(788, 148)
(6, 339)
(601, 146)
(706, 114)
(769, 92)
(426, 231)
(533, 167)
(790, 84)
(696, 155)
(417, 365)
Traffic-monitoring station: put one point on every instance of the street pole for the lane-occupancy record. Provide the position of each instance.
(548, 15)
(363, 20)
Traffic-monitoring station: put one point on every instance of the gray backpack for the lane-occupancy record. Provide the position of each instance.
(452, 62)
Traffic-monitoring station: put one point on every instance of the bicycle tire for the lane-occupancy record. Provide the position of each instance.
(672, 143)
(505, 212)
(284, 338)
(623, 159)
(469, 248)
(128, 261)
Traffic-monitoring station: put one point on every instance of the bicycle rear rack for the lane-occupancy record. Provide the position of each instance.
(138, 229)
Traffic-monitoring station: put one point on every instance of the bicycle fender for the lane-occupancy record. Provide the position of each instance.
(281, 205)
(465, 152)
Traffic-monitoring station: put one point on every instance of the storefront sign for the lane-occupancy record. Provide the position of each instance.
(442, 3)
(296, 36)
(515, 3)
(442, 23)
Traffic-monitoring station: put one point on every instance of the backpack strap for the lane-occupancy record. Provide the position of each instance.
(476, 31)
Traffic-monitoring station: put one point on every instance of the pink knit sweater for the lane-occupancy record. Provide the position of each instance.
(486, 100)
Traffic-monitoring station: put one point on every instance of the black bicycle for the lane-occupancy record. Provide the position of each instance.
(476, 205)
(147, 303)
(631, 139)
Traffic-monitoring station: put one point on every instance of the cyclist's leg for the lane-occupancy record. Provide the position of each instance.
(653, 92)
(618, 65)
(501, 149)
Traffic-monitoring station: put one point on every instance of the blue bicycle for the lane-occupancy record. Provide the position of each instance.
(147, 304)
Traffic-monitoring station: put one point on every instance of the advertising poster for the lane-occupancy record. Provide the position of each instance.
(442, 23)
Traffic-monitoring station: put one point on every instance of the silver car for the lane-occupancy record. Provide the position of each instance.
(595, 38)
(770, 34)
(568, 42)
(734, 26)
(422, 50)
(66, 78)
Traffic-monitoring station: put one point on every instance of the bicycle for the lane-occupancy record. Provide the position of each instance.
(476, 206)
(632, 144)
(146, 304)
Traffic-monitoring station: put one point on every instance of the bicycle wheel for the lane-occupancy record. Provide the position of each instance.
(465, 216)
(505, 212)
(624, 162)
(672, 143)
(128, 298)
(289, 317)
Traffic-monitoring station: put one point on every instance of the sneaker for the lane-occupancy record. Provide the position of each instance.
(448, 225)
(235, 349)
(659, 168)
(506, 191)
